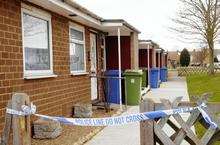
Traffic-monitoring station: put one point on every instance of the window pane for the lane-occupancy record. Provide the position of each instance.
(78, 35)
(37, 59)
(36, 43)
(77, 57)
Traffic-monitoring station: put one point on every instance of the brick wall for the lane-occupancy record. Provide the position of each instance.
(134, 50)
(53, 96)
(112, 52)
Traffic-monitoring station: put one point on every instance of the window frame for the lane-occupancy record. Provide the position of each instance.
(46, 17)
(81, 29)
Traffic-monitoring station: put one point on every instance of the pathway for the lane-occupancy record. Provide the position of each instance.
(175, 87)
(130, 134)
(119, 135)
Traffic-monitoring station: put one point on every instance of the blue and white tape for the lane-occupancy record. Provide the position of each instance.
(114, 121)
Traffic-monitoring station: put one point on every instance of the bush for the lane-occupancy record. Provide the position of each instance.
(184, 58)
(215, 59)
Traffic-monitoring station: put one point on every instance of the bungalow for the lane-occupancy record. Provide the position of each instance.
(147, 48)
(153, 58)
(161, 58)
(161, 63)
(49, 49)
(166, 59)
(173, 58)
(147, 55)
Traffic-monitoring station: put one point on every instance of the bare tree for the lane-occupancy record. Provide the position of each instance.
(199, 20)
(204, 54)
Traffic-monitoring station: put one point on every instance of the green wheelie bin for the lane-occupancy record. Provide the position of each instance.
(133, 82)
(144, 77)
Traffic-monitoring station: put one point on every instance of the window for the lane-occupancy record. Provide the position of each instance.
(77, 50)
(37, 43)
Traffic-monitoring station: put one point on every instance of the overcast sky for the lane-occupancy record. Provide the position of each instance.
(151, 17)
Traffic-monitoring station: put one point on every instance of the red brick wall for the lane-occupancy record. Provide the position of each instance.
(53, 96)
(157, 59)
(143, 58)
(166, 60)
(161, 60)
(112, 52)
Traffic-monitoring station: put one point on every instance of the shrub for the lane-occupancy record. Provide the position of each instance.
(184, 58)
(215, 59)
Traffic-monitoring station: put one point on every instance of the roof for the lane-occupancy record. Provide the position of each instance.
(83, 9)
(173, 55)
(125, 23)
(78, 13)
(160, 50)
(143, 44)
(148, 41)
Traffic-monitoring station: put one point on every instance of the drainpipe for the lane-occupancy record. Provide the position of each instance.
(148, 64)
(158, 60)
(119, 66)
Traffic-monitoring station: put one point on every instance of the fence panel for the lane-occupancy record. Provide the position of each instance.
(186, 71)
(183, 129)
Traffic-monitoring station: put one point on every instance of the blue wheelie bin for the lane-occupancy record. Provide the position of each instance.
(154, 77)
(112, 86)
(163, 74)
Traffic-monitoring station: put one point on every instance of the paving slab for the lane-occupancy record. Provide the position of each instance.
(119, 135)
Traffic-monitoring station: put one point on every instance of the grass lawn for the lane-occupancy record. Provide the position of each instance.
(199, 84)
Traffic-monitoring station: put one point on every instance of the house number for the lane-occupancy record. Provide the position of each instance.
(132, 81)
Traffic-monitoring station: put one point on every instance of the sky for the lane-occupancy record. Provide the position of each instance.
(151, 17)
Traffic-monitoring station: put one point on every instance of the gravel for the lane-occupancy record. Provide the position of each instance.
(75, 135)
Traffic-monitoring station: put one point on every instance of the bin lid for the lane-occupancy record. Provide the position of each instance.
(144, 68)
(164, 67)
(133, 72)
(112, 73)
(154, 69)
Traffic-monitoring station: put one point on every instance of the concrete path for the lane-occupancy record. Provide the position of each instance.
(119, 135)
(130, 134)
(175, 87)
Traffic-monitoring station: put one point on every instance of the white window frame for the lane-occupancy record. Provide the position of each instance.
(81, 29)
(29, 74)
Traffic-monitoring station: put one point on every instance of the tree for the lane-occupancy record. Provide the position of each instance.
(215, 59)
(200, 20)
(204, 55)
(184, 58)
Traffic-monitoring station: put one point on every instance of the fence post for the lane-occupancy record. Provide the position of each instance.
(21, 124)
(147, 127)
(7, 127)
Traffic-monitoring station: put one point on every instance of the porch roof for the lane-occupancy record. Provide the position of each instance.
(144, 43)
(119, 22)
(159, 50)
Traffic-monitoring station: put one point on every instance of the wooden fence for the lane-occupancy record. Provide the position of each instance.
(19, 126)
(186, 71)
(152, 131)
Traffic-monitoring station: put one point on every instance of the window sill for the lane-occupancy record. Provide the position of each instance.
(79, 73)
(40, 76)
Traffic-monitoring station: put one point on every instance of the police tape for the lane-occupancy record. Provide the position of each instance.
(114, 121)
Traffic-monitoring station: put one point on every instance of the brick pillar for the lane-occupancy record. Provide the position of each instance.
(134, 50)
(154, 57)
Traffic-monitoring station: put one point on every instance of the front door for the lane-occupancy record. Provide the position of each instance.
(93, 69)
